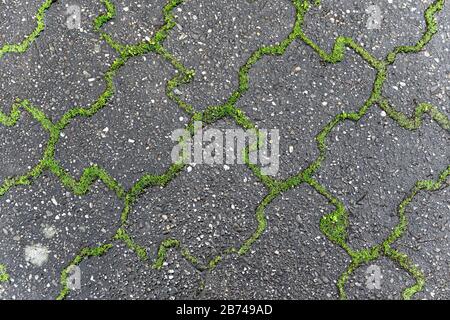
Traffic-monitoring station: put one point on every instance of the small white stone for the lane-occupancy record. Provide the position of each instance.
(54, 201)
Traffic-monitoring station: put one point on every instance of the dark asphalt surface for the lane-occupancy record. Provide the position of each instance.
(370, 166)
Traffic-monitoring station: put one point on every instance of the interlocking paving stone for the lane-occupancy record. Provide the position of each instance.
(16, 19)
(373, 183)
(293, 260)
(121, 275)
(42, 226)
(127, 141)
(63, 68)
(216, 38)
(405, 88)
(299, 95)
(136, 20)
(427, 242)
(87, 181)
(402, 23)
(209, 209)
(21, 147)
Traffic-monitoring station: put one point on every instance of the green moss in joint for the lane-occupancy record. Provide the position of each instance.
(4, 276)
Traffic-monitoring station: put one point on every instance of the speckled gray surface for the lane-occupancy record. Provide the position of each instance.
(128, 142)
(101, 193)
